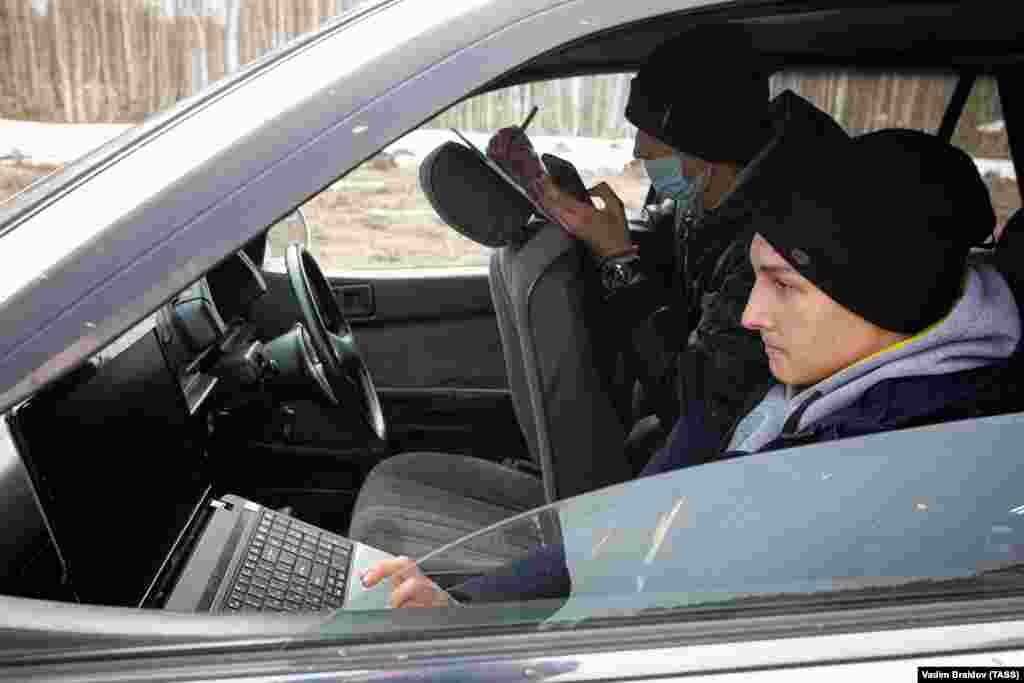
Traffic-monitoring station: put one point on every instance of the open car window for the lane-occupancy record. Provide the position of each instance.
(863, 101)
(981, 132)
(378, 218)
(934, 511)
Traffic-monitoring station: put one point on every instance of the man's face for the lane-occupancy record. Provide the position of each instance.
(807, 335)
(648, 147)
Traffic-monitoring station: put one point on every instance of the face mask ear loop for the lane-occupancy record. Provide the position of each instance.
(709, 174)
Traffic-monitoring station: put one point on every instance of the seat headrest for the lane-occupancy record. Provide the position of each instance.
(472, 198)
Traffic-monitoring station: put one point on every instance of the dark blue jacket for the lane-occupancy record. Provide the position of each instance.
(890, 404)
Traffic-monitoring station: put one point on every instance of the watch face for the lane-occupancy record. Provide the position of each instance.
(616, 274)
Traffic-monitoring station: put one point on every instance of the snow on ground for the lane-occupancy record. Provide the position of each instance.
(51, 143)
(1000, 168)
(590, 155)
(993, 127)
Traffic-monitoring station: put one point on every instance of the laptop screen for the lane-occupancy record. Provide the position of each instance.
(117, 467)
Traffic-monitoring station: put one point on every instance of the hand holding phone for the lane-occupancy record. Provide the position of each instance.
(566, 177)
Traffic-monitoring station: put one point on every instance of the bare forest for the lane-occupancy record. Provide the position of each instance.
(119, 61)
(90, 61)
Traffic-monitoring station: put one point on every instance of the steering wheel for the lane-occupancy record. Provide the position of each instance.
(335, 357)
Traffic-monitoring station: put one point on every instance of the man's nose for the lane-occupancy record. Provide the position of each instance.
(754, 313)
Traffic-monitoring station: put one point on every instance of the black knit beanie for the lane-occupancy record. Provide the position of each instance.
(704, 92)
(882, 223)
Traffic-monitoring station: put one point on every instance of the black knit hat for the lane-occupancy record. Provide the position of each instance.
(882, 223)
(705, 93)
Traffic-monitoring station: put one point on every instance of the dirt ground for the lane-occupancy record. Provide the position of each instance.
(378, 218)
(15, 177)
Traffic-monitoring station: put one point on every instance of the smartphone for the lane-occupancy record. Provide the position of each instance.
(566, 177)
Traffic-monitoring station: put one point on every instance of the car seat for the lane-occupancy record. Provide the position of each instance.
(414, 502)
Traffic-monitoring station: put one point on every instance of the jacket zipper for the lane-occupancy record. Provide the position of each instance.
(791, 428)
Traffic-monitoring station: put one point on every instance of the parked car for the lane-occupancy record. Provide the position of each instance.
(189, 418)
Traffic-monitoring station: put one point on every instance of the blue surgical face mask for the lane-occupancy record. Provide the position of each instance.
(666, 176)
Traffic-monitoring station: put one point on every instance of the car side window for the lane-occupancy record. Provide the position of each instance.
(377, 217)
(981, 132)
(864, 101)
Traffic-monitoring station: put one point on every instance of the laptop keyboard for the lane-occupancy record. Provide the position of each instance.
(290, 566)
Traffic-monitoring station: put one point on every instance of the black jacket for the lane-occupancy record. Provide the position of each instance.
(683, 339)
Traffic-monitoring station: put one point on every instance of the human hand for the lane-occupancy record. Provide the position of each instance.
(409, 588)
(602, 229)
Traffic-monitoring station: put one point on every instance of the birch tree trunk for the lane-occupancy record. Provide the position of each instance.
(597, 102)
(841, 99)
(13, 55)
(32, 58)
(149, 26)
(514, 102)
(266, 22)
(104, 51)
(130, 87)
(202, 56)
(906, 116)
(62, 77)
(576, 104)
(878, 110)
(527, 91)
(92, 83)
(315, 16)
(76, 57)
(616, 104)
(232, 9)
(282, 23)
(166, 57)
(256, 29)
(555, 105)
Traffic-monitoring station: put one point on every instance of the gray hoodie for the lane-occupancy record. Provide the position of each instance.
(984, 327)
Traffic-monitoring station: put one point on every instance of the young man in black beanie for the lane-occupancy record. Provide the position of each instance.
(870, 314)
(676, 302)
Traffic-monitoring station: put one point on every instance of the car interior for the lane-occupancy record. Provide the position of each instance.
(401, 412)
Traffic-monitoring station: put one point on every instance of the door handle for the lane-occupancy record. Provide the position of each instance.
(356, 301)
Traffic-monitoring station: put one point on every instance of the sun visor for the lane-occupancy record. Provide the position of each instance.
(473, 199)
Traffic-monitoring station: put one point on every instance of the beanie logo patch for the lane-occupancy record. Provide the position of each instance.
(800, 256)
(665, 118)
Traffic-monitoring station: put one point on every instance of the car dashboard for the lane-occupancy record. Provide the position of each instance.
(126, 429)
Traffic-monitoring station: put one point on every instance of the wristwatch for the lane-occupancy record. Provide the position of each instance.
(618, 272)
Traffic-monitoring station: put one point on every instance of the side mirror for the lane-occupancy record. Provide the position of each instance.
(291, 228)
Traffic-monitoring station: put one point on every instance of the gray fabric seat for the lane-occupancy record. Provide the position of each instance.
(563, 402)
(416, 502)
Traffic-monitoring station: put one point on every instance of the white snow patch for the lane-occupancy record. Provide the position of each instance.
(994, 127)
(589, 155)
(1000, 168)
(55, 143)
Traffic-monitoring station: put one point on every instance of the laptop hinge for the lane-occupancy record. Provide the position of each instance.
(180, 547)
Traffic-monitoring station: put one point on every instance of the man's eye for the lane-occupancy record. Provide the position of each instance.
(781, 286)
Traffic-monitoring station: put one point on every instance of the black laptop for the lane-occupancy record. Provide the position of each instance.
(121, 479)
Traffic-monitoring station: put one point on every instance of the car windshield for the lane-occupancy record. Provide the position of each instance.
(879, 518)
(50, 144)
